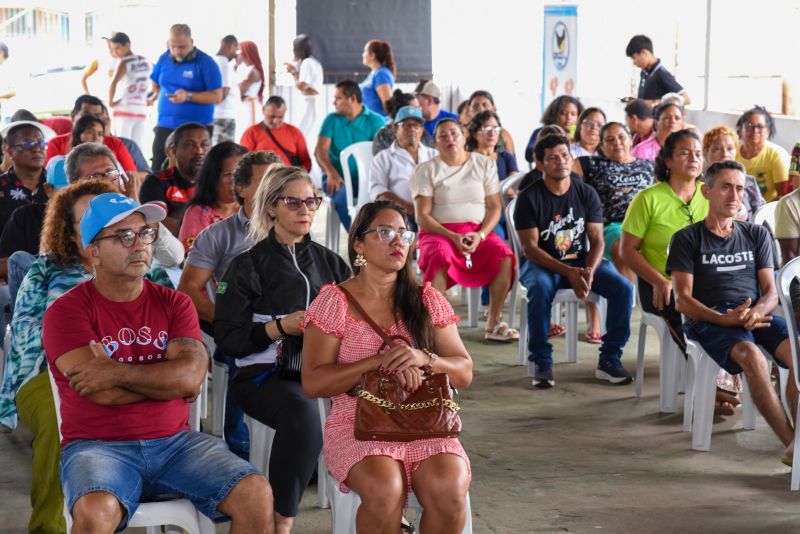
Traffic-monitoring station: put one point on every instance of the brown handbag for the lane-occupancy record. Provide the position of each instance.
(387, 412)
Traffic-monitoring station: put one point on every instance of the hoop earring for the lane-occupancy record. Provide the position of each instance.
(360, 261)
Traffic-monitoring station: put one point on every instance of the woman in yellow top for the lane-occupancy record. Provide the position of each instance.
(655, 214)
(766, 161)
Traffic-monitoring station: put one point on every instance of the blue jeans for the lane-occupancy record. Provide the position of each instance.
(235, 431)
(339, 200)
(195, 465)
(542, 286)
(19, 263)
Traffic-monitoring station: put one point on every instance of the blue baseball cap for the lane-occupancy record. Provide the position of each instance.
(409, 112)
(110, 208)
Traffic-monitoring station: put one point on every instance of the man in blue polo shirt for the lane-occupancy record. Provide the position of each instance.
(187, 84)
(428, 95)
(350, 123)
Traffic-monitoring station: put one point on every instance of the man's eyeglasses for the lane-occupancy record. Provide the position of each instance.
(387, 234)
(294, 203)
(111, 175)
(30, 145)
(148, 234)
(490, 129)
(688, 211)
(749, 126)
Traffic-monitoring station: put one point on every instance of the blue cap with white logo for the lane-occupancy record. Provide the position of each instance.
(110, 208)
(408, 112)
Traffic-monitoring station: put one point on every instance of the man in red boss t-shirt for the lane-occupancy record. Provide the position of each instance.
(127, 359)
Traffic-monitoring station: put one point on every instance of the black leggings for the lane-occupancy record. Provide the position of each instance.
(669, 313)
(282, 405)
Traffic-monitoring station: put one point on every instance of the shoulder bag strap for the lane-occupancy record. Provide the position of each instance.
(367, 318)
(288, 154)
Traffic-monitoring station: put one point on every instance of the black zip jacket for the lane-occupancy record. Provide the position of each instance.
(269, 280)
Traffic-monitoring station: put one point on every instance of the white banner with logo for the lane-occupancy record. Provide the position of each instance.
(559, 62)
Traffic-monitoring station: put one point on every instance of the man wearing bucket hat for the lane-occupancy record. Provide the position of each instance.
(127, 358)
(25, 143)
(392, 168)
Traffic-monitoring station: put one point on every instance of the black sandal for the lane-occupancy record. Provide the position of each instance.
(410, 528)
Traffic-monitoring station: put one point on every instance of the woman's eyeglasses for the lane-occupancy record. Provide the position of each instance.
(294, 203)
(387, 234)
(589, 123)
(490, 129)
(688, 211)
(148, 234)
(750, 126)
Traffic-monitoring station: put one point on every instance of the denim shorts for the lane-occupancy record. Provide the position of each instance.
(195, 465)
(718, 341)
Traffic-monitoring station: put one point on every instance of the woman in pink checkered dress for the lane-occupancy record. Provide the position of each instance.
(339, 346)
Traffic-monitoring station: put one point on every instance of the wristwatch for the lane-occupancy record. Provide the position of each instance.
(483, 236)
(432, 357)
(189, 96)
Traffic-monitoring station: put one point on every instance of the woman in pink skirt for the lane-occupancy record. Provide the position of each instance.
(339, 347)
(457, 205)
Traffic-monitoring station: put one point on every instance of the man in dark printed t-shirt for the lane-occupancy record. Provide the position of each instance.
(560, 224)
(723, 273)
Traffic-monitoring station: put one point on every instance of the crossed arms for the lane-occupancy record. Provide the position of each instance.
(108, 382)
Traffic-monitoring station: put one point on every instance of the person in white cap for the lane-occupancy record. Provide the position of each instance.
(25, 143)
(428, 94)
(127, 358)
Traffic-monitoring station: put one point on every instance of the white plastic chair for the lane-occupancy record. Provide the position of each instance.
(362, 153)
(333, 228)
(765, 215)
(670, 361)
(700, 394)
(261, 438)
(511, 182)
(344, 506)
(153, 515)
(219, 388)
(786, 276)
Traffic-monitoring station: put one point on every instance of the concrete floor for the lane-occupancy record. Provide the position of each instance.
(582, 457)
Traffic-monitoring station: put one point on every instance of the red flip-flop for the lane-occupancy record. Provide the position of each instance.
(556, 330)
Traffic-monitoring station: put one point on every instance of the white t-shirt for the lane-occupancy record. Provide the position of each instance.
(459, 193)
(132, 88)
(311, 73)
(229, 106)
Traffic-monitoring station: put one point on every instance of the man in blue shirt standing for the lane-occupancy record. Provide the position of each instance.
(187, 83)
(428, 95)
(351, 122)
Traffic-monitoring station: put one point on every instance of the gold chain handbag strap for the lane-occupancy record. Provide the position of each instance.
(389, 405)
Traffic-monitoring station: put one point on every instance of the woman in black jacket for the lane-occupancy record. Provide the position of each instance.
(261, 300)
